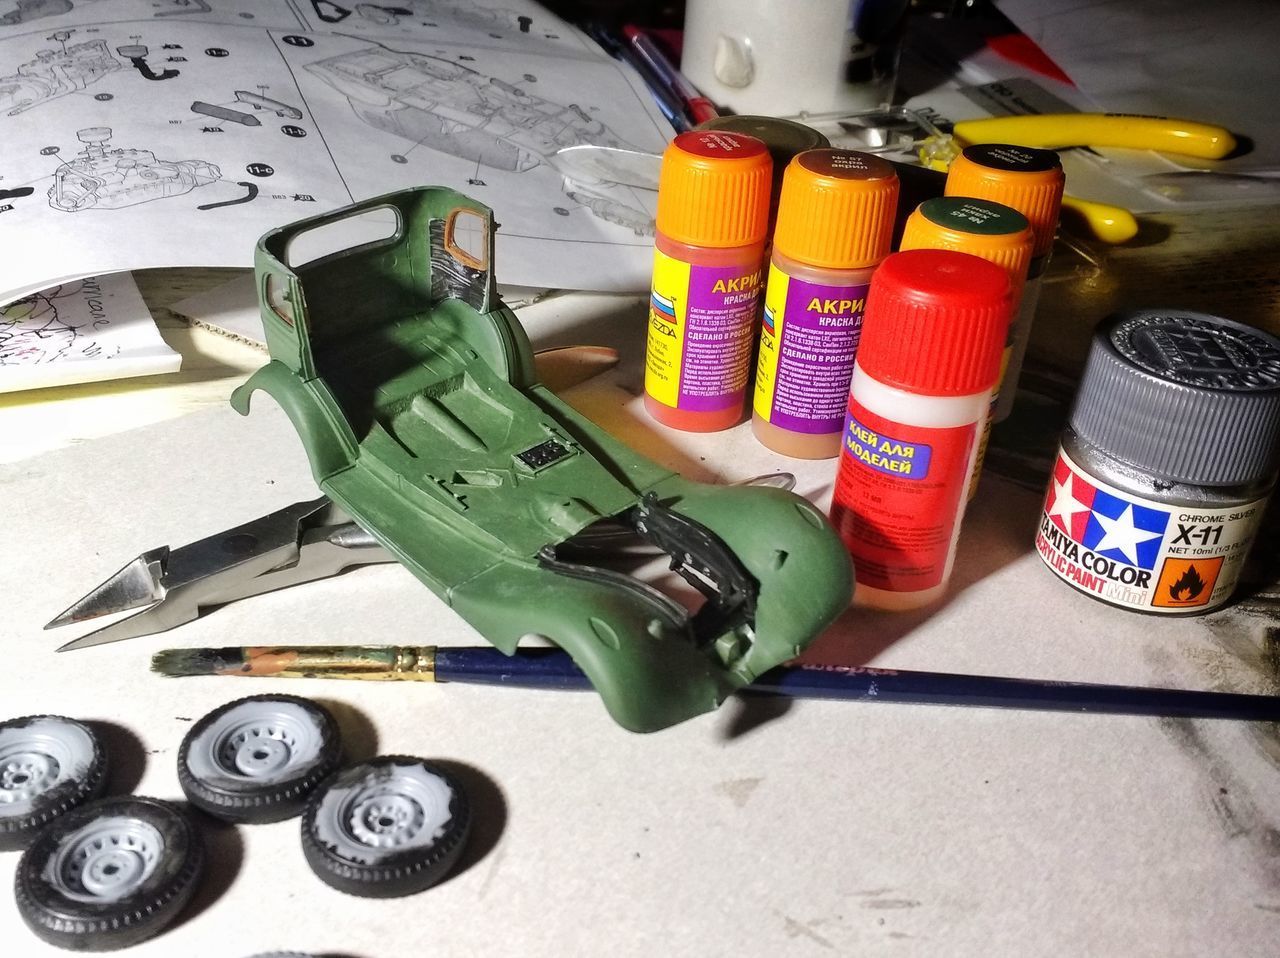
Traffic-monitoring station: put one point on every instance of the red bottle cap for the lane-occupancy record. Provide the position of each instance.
(936, 322)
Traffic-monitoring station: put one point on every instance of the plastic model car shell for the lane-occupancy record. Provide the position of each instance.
(412, 388)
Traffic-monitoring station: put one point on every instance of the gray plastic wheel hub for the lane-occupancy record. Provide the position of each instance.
(106, 860)
(257, 743)
(38, 757)
(384, 813)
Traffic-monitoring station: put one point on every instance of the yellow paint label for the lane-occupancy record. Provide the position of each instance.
(775, 301)
(668, 317)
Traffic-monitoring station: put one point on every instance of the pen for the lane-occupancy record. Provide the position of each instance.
(698, 108)
(668, 100)
(549, 668)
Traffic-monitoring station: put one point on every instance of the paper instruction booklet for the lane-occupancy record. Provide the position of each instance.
(80, 332)
(153, 133)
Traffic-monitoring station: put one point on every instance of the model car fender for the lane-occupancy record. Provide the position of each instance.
(330, 444)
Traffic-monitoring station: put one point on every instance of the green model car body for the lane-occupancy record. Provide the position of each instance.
(412, 388)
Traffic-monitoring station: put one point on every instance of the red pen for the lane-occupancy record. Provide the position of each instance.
(697, 106)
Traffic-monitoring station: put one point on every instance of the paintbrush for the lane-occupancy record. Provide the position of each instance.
(549, 668)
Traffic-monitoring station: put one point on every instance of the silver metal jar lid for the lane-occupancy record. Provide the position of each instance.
(1186, 396)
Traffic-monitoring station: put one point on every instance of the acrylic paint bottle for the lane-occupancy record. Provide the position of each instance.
(930, 354)
(992, 231)
(1030, 181)
(708, 278)
(835, 222)
(1167, 462)
(784, 138)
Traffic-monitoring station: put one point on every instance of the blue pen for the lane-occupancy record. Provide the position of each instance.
(695, 106)
(667, 99)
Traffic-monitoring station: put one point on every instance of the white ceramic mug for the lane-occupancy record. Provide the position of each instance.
(778, 59)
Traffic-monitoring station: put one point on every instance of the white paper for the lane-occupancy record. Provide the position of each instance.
(1124, 58)
(769, 828)
(1211, 62)
(80, 332)
(143, 133)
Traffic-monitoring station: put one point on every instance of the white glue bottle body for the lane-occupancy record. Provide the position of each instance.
(933, 335)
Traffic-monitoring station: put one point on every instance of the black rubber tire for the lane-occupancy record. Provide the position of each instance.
(235, 796)
(109, 924)
(72, 789)
(360, 868)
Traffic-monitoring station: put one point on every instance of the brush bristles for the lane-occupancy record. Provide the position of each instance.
(176, 662)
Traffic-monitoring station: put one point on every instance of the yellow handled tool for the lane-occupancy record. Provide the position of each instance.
(1054, 131)
(1111, 224)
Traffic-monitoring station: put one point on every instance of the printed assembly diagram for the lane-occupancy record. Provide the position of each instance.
(104, 178)
(454, 109)
(429, 14)
(55, 73)
(71, 69)
(27, 10)
(235, 112)
(17, 13)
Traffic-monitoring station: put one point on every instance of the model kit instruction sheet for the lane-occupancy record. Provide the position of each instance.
(150, 133)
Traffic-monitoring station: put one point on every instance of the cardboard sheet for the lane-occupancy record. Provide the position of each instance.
(769, 827)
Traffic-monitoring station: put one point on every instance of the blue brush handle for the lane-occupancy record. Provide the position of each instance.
(527, 669)
(554, 669)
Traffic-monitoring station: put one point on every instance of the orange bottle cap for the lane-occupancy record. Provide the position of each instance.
(837, 209)
(714, 189)
(992, 231)
(1027, 179)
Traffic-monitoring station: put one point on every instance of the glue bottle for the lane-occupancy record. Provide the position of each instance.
(992, 231)
(835, 222)
(708, 266)
(1030, 181)
(933, 334)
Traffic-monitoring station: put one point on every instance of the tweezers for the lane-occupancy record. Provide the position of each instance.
(300, 543)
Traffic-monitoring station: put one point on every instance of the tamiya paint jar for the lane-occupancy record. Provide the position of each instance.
(1167, 463)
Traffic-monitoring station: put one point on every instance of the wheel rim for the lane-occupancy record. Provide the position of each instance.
(105, 860)
(36, 758)
(256, 743)
(392, 809)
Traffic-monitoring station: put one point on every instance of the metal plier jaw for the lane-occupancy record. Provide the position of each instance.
(299, 543)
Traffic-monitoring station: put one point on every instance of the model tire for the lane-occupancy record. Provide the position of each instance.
(109, 874)
(257, 759)
(48, 766)
(392, 826)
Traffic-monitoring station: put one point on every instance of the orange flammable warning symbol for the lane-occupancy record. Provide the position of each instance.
(1186, 583)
